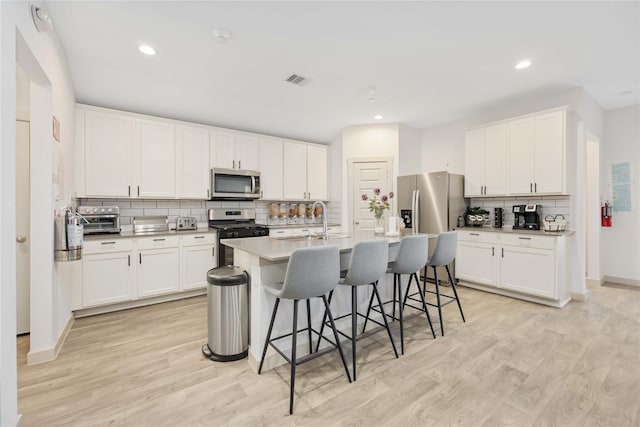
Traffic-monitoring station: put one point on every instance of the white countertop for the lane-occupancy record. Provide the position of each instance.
(129, 234)
(274, 249)
(509, 230)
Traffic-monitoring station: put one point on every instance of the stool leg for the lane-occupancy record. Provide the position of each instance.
(335, 335)
(455, 292)
(435, 274)
(424, 281)
(384, 317)
(266, 342)
(294, 336)
(324, 320)
(393, 313)
(400, 312)
(426, 311)
(364, 327)
(406, 294)
(354, 326)
(309, 326)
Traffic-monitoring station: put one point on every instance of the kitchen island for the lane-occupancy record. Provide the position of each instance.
(265, 259)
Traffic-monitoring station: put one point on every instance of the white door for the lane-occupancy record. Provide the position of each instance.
(528, 270)
(521, 149)
(192, 158)
(158, 271)
(22, 227)
(368, 176)
(246, 152)
(107, 278)
(156, 159)
(476, 262)
(317, 172)
(495, 144)
(222, 150)
(549, 155)
(271, 171)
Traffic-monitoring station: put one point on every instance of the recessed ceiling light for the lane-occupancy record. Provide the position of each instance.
(523, 64)
(372, 100)
(146, 49)
(378, 117)
(221, 34)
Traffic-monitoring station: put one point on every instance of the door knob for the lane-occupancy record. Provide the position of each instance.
(357, 222)
(21, 239)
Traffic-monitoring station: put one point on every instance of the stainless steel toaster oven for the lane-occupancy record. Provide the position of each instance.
(100, 219)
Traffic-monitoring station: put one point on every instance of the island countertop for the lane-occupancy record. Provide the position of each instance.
(274, 249)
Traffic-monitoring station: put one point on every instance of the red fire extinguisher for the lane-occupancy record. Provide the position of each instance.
(605, 214)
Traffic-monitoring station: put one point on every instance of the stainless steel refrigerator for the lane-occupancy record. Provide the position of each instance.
(431, 203)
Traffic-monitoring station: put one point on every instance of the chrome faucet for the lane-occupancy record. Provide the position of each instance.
(325, 235)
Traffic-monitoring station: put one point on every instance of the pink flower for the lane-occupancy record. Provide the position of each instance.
(384, 198)
(391, 194)
(365, 197)
(376, 191)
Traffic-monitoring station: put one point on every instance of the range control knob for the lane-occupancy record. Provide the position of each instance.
(95, 210)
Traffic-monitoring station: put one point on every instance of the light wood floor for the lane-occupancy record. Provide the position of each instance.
(512, 364)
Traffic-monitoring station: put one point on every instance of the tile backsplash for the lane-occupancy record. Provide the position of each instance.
(550, 205)
(198, 208)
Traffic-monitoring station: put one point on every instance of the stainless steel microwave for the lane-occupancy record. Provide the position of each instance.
(234, 184)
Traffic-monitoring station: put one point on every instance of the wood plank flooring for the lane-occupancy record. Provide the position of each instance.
(513, 363)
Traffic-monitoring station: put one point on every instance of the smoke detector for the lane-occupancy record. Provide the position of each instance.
(221, 35)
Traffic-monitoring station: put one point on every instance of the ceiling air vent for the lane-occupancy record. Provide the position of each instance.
(297, 80)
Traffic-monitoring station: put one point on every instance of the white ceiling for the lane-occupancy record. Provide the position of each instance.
(430, 62)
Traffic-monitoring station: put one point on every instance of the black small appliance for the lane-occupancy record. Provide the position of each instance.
(527, 217)
(498, 218)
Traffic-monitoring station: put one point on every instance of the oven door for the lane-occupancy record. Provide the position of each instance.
(101, 224)
(234, 184)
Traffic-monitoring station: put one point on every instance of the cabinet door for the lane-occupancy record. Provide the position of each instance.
(476, 262)
(316, 172)
(247, 152)
(107, 278)
(474, 163)
(528, 270)
(549, 153)
(156, 159)
(192, 156)
(295, 171)
(158, 271)
(521, 156)
(271, 168)
(196, 261)
(108, 154)
(495, 144)
(222, 150)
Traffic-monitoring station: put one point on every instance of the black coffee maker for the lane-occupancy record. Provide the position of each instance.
(527, 217)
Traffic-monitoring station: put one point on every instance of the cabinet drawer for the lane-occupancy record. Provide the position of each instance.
(198, 239)
(528, 241)
(158, 242)
(107, 245)
(477, 236)
(281, 232)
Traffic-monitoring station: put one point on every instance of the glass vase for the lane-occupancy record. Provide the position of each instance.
(378, 228)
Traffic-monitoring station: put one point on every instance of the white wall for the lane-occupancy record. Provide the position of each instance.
(410, 148)
(43, 52)
(620, 244)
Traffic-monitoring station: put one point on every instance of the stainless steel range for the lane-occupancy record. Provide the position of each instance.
(234, 224)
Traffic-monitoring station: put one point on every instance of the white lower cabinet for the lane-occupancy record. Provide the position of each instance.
(126, 269)
(108, 272)
(197, 257)
(527, 264)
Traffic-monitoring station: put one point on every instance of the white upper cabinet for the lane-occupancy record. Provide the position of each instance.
(295, 171)
(271, 168)
(537, 154)
(317, 172)
(485, 149)
(305, 171)
(233, 150)
(192, 158)
(156, 159)
(105, 157)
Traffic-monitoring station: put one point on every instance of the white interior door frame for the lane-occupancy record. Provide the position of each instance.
(594, 196)
(351, 181)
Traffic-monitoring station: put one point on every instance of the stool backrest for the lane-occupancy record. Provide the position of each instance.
(311, 272)
(412, 254)
(368, 262)
(445, 251)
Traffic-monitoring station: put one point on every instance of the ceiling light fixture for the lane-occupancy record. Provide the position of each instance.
(372, 100)
(221, 35)
(626, 92)
(523, 64)
(41, 19)
(146, 49)
(378, 117)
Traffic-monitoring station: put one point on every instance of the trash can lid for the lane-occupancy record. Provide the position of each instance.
(228, 275)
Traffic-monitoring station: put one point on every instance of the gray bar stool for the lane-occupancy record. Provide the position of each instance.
(311, 273)
(443, 255)
(412, 256)
(367, 265)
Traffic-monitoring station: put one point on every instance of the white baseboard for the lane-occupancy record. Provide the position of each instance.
(595, 282)
(49, 354)
(579, 296)
(622, 281)
(19, 420)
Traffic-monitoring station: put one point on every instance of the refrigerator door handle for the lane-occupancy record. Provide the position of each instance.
(416, 212)
(413, 211)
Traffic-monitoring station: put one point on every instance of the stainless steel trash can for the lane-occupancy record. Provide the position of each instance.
(227, 314)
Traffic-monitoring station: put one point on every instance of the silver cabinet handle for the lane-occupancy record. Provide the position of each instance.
(138, 190)
(207, 193)
(198, 237)
(474, 234)
(140, 257)
(535, 187)
(261, 194)
(530, 187)
(524, 238)
(493, 251)
(234, 165)
(357, 222)
(239, 164)
(159, 240)
(107, 243)
(129, 191)
(502, 252)
(279, 232)
(21, 239)
(309, 196)
(129, 260)
(213, 251)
